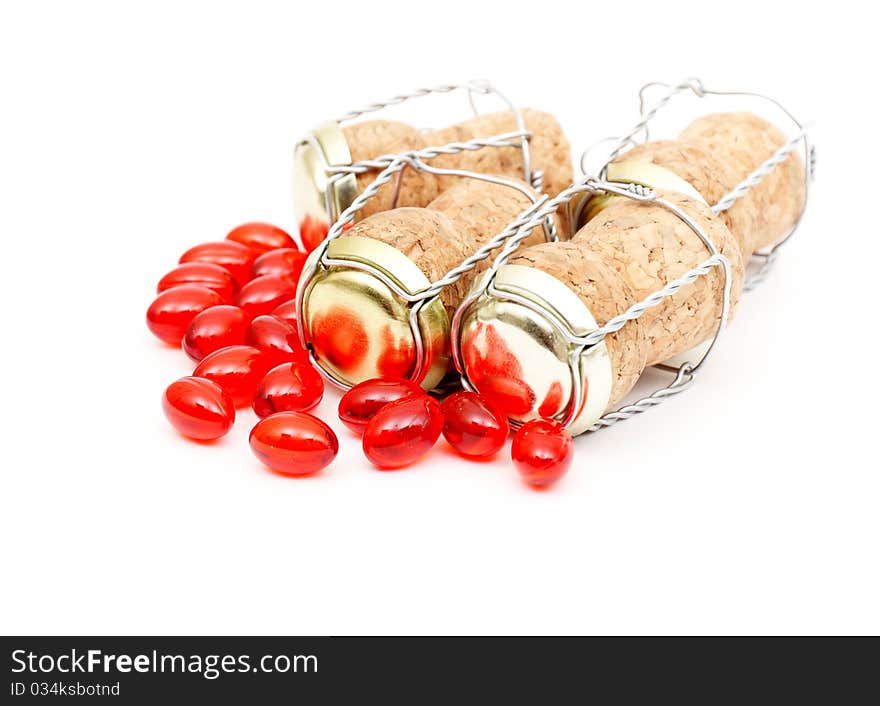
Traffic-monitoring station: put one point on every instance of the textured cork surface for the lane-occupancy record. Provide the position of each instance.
(606, 294)
(419, 233)
(712, 177)
(650, 246)
(744, 141)
(549, 150)
(452, 227)
(373, 138)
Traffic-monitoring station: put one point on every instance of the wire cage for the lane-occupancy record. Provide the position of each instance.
(513, 235)
(392, 167)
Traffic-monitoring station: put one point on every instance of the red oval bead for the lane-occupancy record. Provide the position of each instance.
(473, 426)
(542, 451)
(287, 312)
(204, 274)
(403, 431)
(294, 443)
(261, 237)
(237, 369)
(234, 257)
(215, 328)
(262, 295)
(289, 387)
(360, 404)
(312, 232)
(173, 310)
(286, 262)
(198, 408)
(277, 339)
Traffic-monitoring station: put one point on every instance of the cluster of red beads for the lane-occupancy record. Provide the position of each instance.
(231, 306)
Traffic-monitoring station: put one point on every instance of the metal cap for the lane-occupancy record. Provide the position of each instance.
(317, 201)
(642, 173)
(514, 350)
(359, 327)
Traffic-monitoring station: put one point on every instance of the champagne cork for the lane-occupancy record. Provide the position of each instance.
(628, 250)
(549, 152)
(647, 246)
(359, 327)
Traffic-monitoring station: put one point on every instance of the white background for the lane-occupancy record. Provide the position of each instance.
(130, 132)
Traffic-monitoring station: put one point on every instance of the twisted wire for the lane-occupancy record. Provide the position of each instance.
(474, 86)
(762, 272)
(683, 380)
(639, 308)
(477, 256)
(767, 166)
(690, 84)
(502, 140)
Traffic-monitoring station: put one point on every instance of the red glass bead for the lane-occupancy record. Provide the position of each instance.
(235, 257)
(402, 432)
(277, 339)
(473, 426)
(262, 295)
(173, 310)
(198, 408)
(312, 232)
(213, 329)
(237, 369)
(261, 237)
(286, 312)
(286, 262)
(204, 274)
(358, 406)
(289, 387)
(542, 451)
(294, 443)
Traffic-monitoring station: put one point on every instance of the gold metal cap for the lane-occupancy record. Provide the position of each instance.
(359, 327)
(516, 354)
(642, 173)
(316, 201)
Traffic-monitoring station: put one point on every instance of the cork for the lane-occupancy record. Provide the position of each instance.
(549, 151)
(452, 227)
(649, 246)
(708, 174)
(744, 141)
(631, 249)
(606, 293)
(373, 138)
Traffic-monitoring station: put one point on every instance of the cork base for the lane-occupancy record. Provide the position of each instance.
(744, 141)
(650, 246)
(549, 149)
